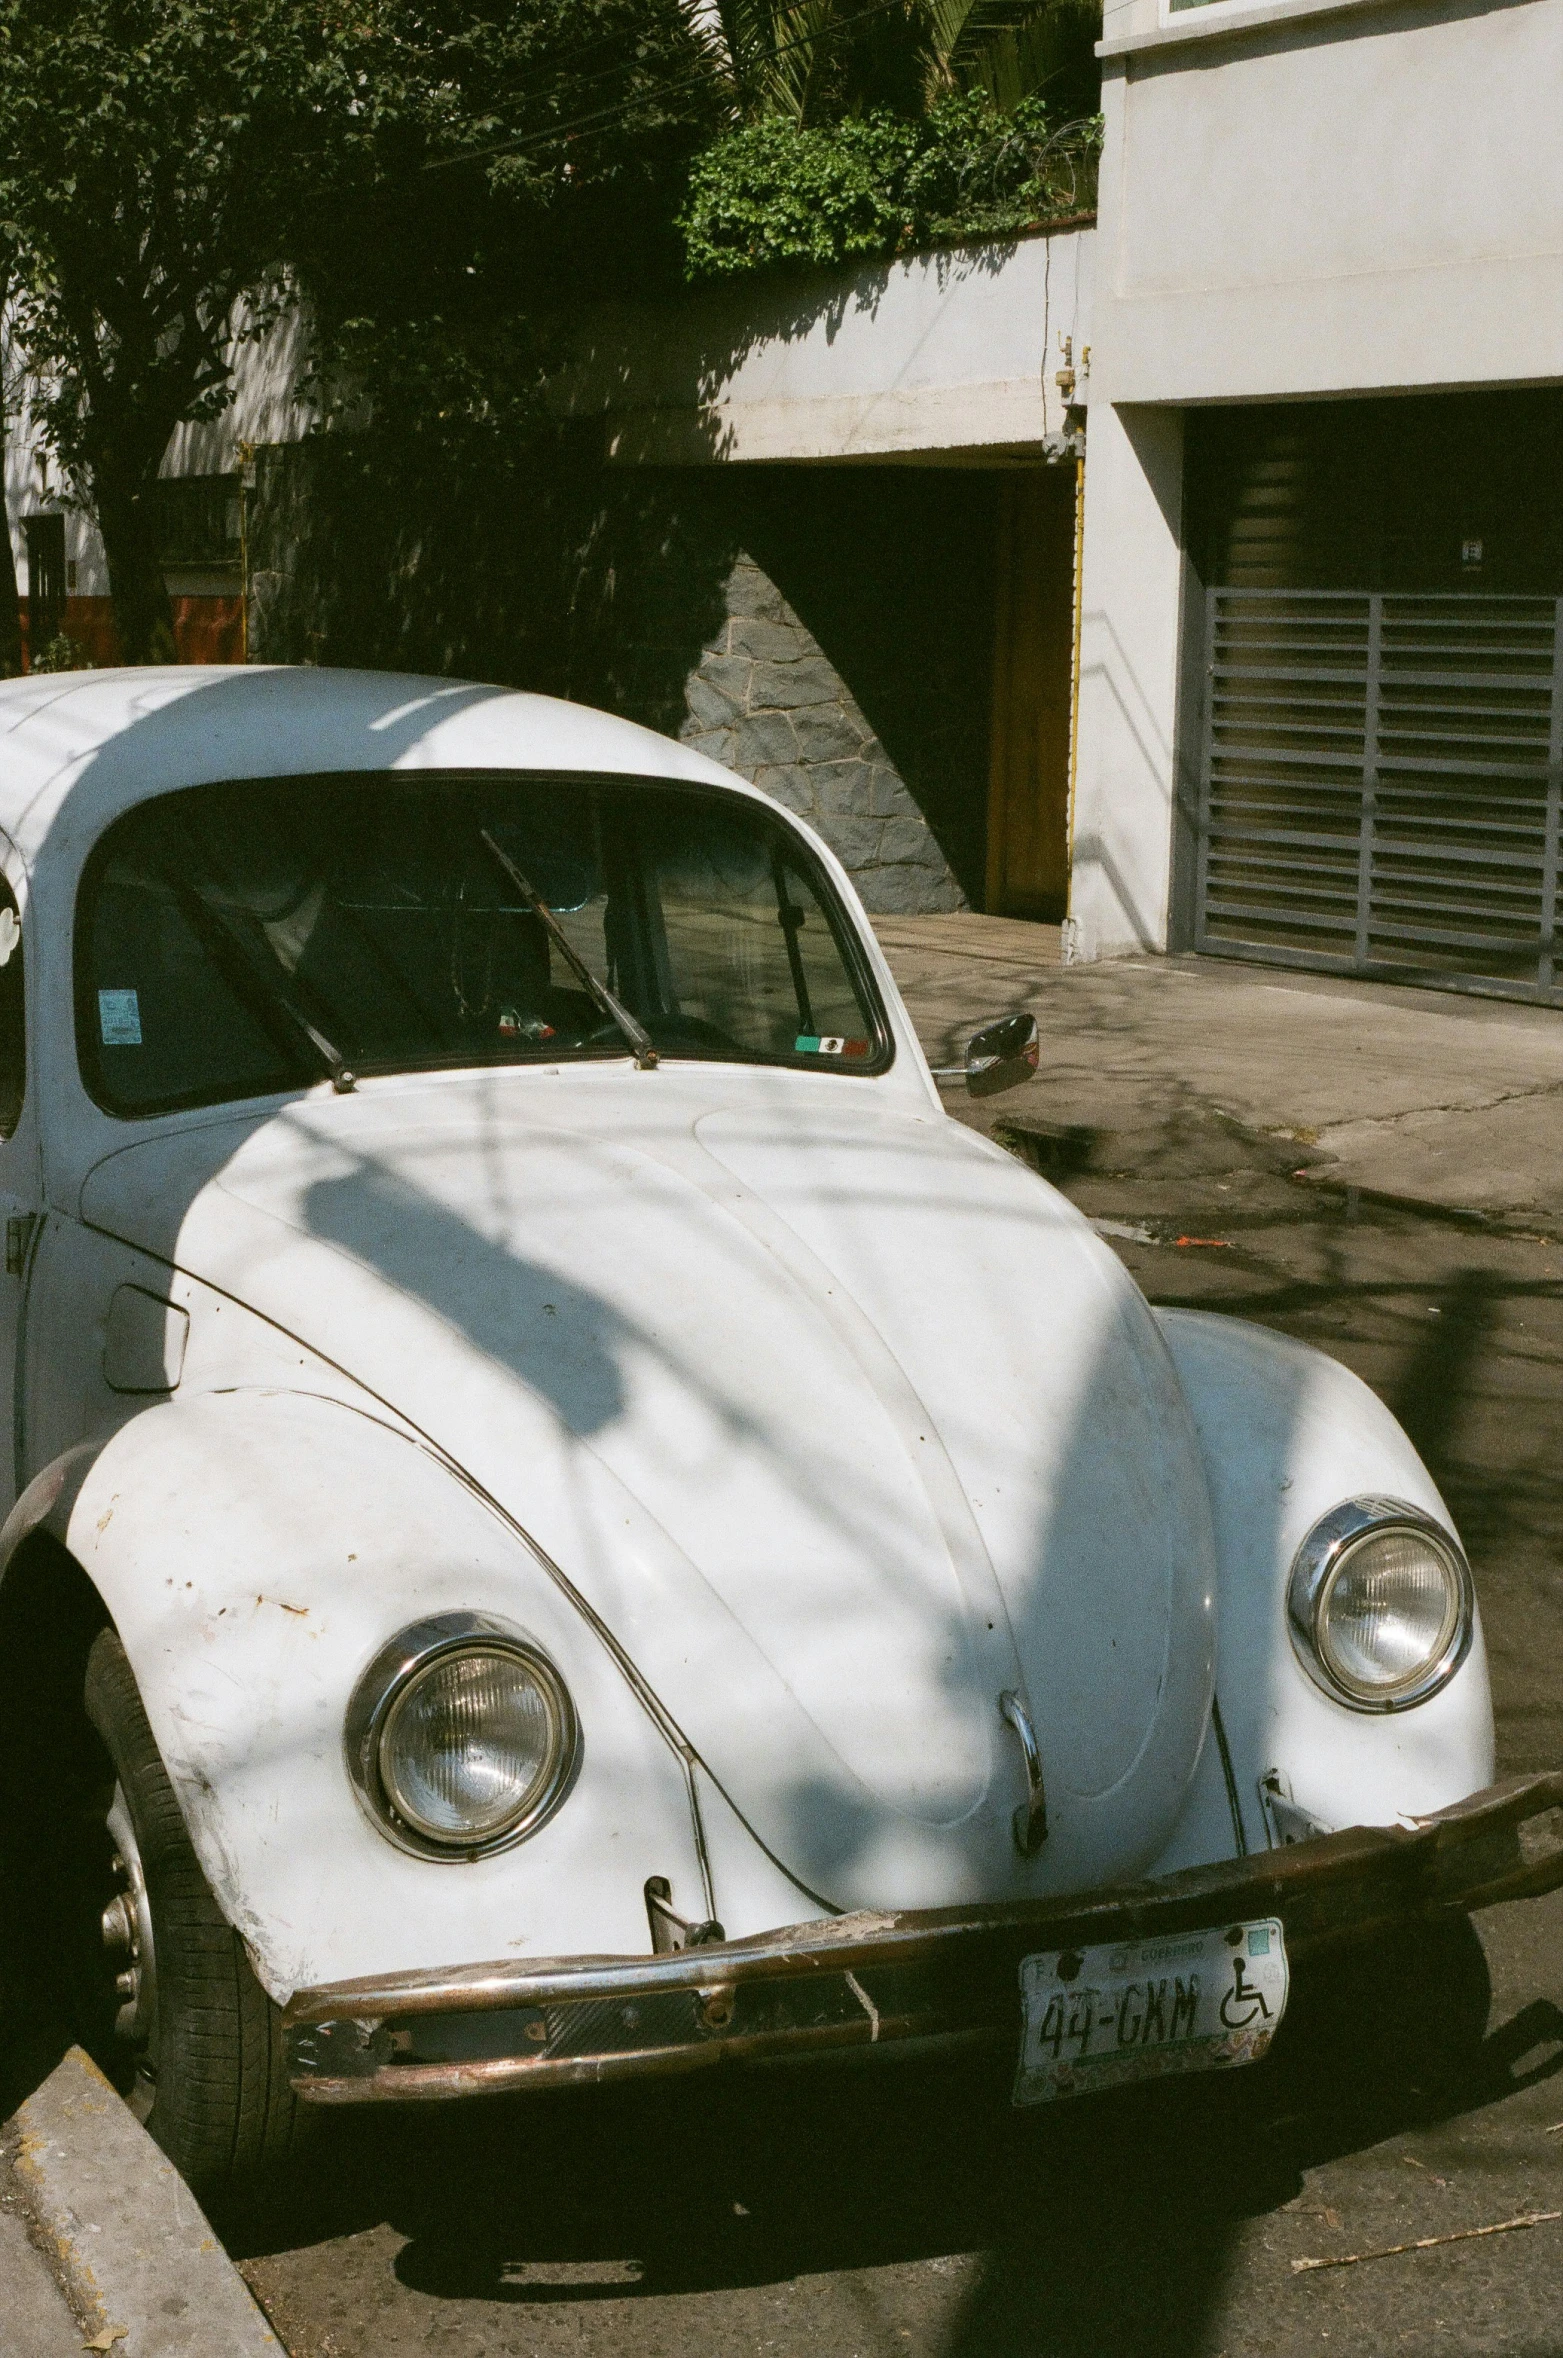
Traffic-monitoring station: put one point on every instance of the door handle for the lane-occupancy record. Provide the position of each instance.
(18, 1236)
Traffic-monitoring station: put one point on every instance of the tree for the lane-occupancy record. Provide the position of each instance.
(509, 159)
(510, 162)
(818, 61)
(164, 161)
(147, 155)
(872, 128)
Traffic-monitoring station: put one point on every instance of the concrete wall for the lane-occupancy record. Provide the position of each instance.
(1299, 201)
(1129, 653)
(267, 407)
(953, 352)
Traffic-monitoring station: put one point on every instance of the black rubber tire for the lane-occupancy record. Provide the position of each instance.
(220, 2107)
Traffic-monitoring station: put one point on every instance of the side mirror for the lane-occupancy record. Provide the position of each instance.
(1002, 1055)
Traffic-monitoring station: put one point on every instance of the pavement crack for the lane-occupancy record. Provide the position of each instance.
(1417, 1113)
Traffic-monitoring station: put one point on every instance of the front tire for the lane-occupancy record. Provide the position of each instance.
(199, 2041)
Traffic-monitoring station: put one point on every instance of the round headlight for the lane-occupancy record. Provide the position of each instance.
(461, 1736)
(1380, 1605)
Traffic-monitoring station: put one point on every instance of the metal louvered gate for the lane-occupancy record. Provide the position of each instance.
(1380, 786)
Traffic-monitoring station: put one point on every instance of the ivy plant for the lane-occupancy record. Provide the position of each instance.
(778, 192)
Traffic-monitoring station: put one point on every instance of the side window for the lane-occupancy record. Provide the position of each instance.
(13, 1030)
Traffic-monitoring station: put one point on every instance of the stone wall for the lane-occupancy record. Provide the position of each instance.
(765, 700)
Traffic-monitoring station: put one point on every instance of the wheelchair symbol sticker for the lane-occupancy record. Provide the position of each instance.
(1244, 2002)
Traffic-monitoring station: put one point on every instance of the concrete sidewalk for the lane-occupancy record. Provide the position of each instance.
(1421, 1095)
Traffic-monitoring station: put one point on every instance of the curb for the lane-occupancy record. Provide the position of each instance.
(127, 2238)
(35, 2321)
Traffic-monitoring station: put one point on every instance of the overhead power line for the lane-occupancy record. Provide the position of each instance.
(509, 83)
(600, 117)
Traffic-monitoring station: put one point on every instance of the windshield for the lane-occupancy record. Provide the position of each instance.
(240, 940)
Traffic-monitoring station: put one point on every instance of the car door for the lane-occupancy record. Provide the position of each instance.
(21, 1188)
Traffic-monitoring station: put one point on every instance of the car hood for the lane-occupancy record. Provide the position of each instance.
(843, 1421)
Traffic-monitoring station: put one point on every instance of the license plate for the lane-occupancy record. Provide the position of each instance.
(1134, 2010)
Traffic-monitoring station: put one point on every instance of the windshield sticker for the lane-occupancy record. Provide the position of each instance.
(827, 1044)
(119, 1018)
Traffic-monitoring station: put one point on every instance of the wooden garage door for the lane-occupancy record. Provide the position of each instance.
(1380, 786)
(1033, 646)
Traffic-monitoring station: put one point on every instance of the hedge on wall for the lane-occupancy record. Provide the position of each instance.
(877, 185)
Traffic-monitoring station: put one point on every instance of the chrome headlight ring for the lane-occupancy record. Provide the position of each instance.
(386, 1696)
(1335, 1549)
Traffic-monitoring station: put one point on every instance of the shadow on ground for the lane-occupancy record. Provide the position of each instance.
(1111, 2222)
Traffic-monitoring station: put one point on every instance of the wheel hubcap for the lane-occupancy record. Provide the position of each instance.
(127, 1938)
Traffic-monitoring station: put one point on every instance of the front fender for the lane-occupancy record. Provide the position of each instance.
(255, 1549)
(1288, 1433)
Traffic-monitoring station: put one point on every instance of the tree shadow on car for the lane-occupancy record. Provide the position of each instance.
(1113, 2220)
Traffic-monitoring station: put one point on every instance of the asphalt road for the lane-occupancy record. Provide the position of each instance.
(859, 2213)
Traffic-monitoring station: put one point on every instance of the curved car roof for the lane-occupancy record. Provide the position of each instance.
(76, 748)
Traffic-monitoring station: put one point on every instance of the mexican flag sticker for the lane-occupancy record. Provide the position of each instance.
(827, 1044)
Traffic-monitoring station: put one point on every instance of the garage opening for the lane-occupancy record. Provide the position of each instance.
(1379, 747)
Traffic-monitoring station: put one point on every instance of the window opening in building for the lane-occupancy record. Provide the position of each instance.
(45, 578)
(197, 519)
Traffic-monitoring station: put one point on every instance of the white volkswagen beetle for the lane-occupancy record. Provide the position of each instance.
(567, 1521)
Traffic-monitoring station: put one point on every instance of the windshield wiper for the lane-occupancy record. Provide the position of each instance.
(614, 1008)
(261, 970)
(790, 918)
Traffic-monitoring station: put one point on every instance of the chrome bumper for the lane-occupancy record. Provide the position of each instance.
(946, 1976)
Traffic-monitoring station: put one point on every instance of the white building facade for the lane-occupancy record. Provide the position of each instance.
(1321, 704)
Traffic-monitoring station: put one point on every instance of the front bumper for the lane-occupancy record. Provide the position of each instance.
(943, 1976)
